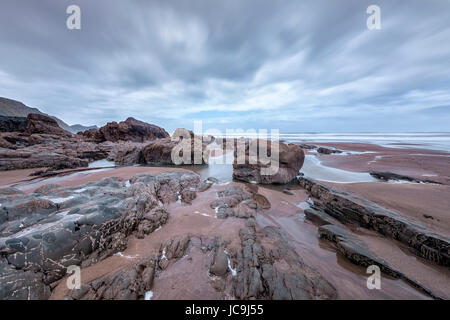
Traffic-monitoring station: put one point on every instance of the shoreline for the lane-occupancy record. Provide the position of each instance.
(424, 203)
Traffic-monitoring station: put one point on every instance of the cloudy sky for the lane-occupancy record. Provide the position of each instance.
(299, 66)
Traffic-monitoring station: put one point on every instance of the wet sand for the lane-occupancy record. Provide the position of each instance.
(188, 277)
(197, 220)
(427, 204)
(83, 177)
(414, 162)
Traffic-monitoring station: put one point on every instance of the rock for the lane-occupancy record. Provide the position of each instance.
(307, 146)
(91, 135)
(13, 124)
(354, 249)
(349, 208)
(287, 191)
(39, 123)
(291, 158)
(236, 202)
(48, 151)
(324, 150)
(386, 176)
(219, 265)
(218, 283)
(130, 283)
(175, 247)
(4, 143)
(128, 130)
(13, 160)
(268, 268)
(79, 226)
(159, 152)
(129, 155)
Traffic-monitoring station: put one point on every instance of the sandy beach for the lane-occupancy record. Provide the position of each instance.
(347, 169)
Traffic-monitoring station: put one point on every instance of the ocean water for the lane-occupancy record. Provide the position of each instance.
(426, 140)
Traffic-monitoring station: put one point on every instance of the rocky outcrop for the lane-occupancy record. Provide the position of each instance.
(248, 166)
(237, 202)
(21, 151)
(12, 124)
(127, 155)
(13, 108)
(40, 142)
(43, 233)
(268, 268)
(38, 123)
(166, 151)
(13, 160)
(134, 281)
(324, 150)
(349, 208)
(163, 151)
(354, 249)
(33, 123)
(159, 151)
(387, 176)
(128, 284)
(128, 130)
(171, 250)
(219, 264)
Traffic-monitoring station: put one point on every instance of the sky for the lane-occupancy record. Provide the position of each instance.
(292, 65)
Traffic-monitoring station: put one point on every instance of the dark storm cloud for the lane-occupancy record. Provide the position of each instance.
(294, 65)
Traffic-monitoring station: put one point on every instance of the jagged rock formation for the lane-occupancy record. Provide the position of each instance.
(13, 108)
(387, 176)
(163, 151)
(41, 234)
(129, 284)
(354, 249)
(237, 202)
(128, 130)
(268, 268)
(134, 281)
(38, 141)
(247, 166)
(13, 124)
(353, 209)
(41, 124)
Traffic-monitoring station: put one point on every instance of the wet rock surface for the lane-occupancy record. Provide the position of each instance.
(349, 208)
(40, 142)
(324, 150)
(42, 233)
(389, 176)
(135, 280)
(190, 149)
(129, 284)
(250, 166)
(354, 249)
(268, 268)
(240, 202)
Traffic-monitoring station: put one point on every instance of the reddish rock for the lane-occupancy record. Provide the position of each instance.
(12, 124)
(160, 151)
(38, 123)
(291, 158)
(128, 130)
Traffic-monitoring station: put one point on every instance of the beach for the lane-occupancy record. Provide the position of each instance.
(347, 169)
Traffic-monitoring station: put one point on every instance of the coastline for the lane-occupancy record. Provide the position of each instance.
(413, 200)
